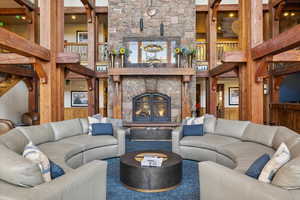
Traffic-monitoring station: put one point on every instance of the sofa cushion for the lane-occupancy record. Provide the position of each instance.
(85, 125)
(35, 155)
(257, 166)
(102, 129)
(208, 141)
(232, 128)
(280, 158)
(60, 153)
(260, 133)
(67, 128)
(288, 176)
(15, 140)
(193, 130)
(17, 170)
(293, 145)
(38, 134)
(90, 142)
(282, 135)
(55, 170)
(244, 153)
(209, 123)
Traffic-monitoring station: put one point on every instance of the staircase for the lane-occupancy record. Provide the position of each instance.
(8, 83)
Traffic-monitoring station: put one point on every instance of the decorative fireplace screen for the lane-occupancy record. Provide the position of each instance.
(152, 107)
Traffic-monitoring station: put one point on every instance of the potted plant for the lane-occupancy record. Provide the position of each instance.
(123, 52)
(178, 54)
(190, 54)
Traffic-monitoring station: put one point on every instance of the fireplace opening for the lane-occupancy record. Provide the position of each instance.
(152, 107)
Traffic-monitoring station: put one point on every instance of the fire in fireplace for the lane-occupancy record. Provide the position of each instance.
(152, 107)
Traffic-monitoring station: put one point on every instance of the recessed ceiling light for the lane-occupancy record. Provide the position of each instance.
(219, 28)
(73, 17)
(231, 14)
(293, 14)
(286, 14)
(23, 17)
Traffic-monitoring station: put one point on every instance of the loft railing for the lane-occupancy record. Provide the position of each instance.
(82, 50)
(201, 49)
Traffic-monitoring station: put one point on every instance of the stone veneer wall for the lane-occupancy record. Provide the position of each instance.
(178, 16)
(179, 19)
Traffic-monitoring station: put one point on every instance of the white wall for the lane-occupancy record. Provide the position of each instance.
(14, 103)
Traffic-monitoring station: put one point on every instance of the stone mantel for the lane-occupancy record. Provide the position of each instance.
(151, 72)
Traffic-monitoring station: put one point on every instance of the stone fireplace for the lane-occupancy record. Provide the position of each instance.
(151, 107)
(151, 98)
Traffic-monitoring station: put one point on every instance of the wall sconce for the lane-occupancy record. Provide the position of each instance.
(162, 31)
(141, 24)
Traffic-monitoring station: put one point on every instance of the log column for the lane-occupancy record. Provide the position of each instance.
(251, 15)
(51, 37)
(211, 95)
(186, 102)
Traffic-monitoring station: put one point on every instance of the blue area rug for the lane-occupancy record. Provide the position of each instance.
(188, 190)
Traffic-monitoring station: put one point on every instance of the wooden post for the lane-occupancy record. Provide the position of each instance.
(93, 96)
(33, 89)
(93, 106)
(211, 103)
(251, 15)
(51, 19)
(186, 104)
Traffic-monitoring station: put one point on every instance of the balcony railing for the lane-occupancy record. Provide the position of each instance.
(201, 49)
(103, 55)
(82, 50)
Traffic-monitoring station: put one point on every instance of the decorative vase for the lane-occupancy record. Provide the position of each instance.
(190, 61)
(122, 60)
(112, 60)
(178, 57)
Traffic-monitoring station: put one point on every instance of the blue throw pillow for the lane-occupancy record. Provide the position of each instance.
(55, 170)
(102, 129)
(193, 130)
(258, 165)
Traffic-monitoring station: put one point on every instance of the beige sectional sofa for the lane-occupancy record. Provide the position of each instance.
(229, 148)
(66, 143)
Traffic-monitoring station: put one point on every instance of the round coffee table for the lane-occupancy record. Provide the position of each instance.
(151, 179)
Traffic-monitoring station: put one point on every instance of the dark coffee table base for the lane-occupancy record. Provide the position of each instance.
(151, 179)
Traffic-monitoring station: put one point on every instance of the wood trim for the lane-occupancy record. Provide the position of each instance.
(16, 70)
(288, 56)
(283, 42)
(15, 59)
(79, 69)
(31, 6)
(151, 71)
(225, 7)
(223, 68)
(234, 57)
(17, 44)
(67, 58)
(287, 70)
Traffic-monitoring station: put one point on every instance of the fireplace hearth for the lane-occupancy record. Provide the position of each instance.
(152, 108)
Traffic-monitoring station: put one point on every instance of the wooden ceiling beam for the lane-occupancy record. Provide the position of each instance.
(288, 56)
(67, 58)
(214, 5)
(17, 44)
(16, 70)
(31, 6)
(79, 69)
(234, 57)
(287, 70)
(276, 3)
(89, 6)
(223, 68)
(283, 42)
(15, 59)
(12, 11)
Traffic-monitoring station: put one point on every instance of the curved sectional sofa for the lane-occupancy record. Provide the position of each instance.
(68, 144)
(229, 148)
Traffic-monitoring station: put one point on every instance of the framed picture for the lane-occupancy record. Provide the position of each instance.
(79, 99)
(82, 36)
(234, 96)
